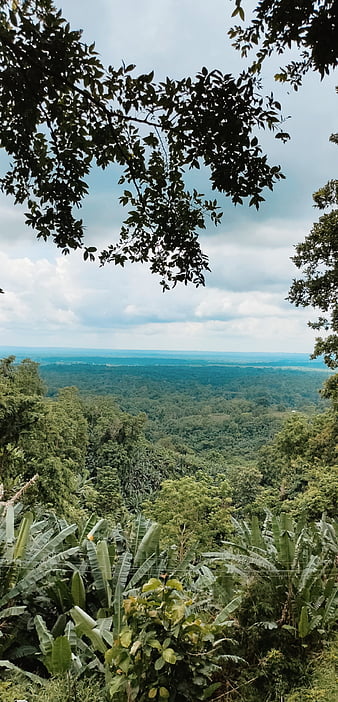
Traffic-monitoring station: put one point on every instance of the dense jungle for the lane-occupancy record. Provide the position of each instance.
(167, 533)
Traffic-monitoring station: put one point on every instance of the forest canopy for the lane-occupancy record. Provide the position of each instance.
(225, 581)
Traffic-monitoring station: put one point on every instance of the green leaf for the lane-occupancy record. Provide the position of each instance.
(12, 612)
(23, 535)
(59, 626)
(61, 657)
(208, 691)
(78, 590)
(155, 643)
(52, 544)
(228, 609)
(117, 687)
(303, 624)
(169, 656)
(122, 570)
(141, 572)
(81, 617)
(88, 626)
(121, 573)
(118, 613)
(149, 543)
(159, 663)
(101, 582)
(125, 638)
(175, 584)
(152, 584)
(178, 610)
(104, 559)
(124, 663)
(45, 637)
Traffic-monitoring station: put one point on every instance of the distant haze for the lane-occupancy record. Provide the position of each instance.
(125, 357)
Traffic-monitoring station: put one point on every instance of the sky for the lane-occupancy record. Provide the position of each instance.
(52, 300)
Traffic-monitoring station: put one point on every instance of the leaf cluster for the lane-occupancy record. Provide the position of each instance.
(62, 112)
(317, 258)
(278, 25)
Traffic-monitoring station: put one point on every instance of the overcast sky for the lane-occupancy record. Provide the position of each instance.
(52, 300)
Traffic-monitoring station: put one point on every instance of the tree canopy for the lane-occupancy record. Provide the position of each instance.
(317, 258)
(62, 113)
(278, 25)
(312, 27)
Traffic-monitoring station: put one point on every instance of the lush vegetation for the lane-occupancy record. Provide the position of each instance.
(230, 409)
(135, 569)
(191, 555)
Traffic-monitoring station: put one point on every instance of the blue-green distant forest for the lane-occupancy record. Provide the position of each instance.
(228, 403)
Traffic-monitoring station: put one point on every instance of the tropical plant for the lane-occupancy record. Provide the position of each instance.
(193, 511)
(32, 554)
(298, 561)
(165, 649)
(286, 574)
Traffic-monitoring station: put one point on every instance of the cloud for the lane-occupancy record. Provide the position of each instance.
(219, 305)
(67, 302)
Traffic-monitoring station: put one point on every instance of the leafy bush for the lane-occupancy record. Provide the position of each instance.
(324, 681)
(166, 650)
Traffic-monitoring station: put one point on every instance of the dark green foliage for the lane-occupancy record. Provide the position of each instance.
(194, 512)
(245, 484)
(206, 409)
(301, 465)
(62, 112)
(278, 25)
(317, 258)
(39, 435)
(21, 388)
(109, 498)
(117, 439)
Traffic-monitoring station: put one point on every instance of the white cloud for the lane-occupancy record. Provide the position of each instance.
(68, 302)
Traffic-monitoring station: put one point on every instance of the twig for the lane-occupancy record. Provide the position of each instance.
(235, 689)
(20, 492)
